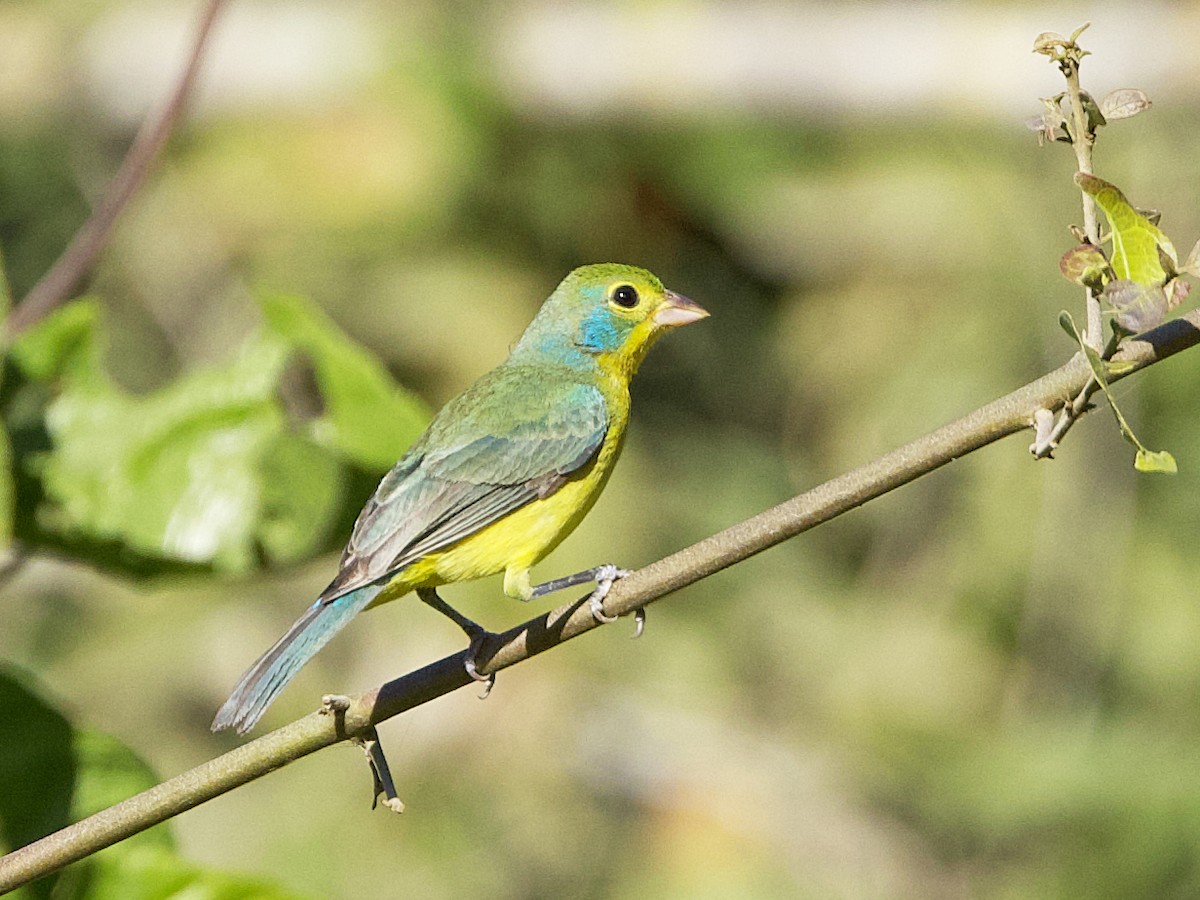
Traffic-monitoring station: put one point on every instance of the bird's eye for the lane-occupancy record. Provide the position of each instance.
(626, 295)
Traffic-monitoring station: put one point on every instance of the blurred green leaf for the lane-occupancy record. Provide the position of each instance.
(52, 775)
(63, 344)
(301, 494)
(148, 873)
(1136, 240)
(5, 289)
(366, 416)
(173, 473)
(109, 772)
(37, 767)
(7, 500)
(208, 470)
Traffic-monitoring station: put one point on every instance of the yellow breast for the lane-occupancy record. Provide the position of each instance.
(523, 537)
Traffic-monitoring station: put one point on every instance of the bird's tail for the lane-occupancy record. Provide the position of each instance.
(261, 683)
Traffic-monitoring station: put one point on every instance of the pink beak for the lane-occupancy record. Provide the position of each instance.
(678, 310)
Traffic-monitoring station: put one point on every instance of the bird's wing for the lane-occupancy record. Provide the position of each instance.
(514, 436)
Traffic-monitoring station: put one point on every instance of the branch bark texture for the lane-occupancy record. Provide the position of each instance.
(1007, 415)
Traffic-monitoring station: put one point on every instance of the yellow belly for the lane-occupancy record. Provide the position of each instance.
(519, 540)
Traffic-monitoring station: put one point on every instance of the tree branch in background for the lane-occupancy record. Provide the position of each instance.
(60, 283)
(355, 720)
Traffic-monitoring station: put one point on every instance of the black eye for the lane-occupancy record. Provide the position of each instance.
(625, 296)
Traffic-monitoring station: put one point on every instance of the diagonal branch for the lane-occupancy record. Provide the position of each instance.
(356, 720)
(64, 277)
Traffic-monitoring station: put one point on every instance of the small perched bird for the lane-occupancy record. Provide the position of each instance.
(502, 474)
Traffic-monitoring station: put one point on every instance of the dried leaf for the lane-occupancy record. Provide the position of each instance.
(1048, 42)
(1136, 307)
(1177, 292)
(1044, 126)
(1167, 261)
(1124, 103)
(1191, 265)
(1078, 31)
(1086, 265)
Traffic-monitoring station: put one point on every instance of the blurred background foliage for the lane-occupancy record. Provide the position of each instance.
(982, 685)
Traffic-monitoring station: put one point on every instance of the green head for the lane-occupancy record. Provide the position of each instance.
(609, 313)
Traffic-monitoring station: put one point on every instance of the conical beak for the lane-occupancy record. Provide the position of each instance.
(678, 310)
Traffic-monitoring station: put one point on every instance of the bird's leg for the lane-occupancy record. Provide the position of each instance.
(604, 576)
(474, 631)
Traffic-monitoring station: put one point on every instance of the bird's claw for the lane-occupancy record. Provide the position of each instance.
(639, 622)
(606, 576)
(469, 663)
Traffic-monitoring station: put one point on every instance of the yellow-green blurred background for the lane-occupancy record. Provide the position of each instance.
(984, 684)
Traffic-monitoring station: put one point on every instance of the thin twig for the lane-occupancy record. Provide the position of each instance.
(70, 269)
(356, 719)
(1083, 140)
(1045, 444)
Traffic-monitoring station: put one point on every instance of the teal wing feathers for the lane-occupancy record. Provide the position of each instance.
(516, 435)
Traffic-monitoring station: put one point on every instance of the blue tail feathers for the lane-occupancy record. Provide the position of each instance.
(263, 681)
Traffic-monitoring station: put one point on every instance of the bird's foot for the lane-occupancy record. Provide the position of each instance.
(473, 630)
(606, 576)
(471, 664)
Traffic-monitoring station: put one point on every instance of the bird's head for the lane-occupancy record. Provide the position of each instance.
(607, 312)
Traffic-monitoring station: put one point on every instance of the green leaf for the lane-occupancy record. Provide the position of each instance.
(171, 474)
(5, 289)
(37, 767)
(52, 775)
(1145, 460)
(1136, 240)
(1155, 461)
(367, 416)
(209, 470)
(1067, 324)
(157, 874)
(1095, 117)
(301, 495)
(62, 344)
(109, 772)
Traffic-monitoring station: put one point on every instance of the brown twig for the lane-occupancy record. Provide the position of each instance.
(76, 261)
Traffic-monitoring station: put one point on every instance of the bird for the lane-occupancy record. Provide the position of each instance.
(501, 475)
